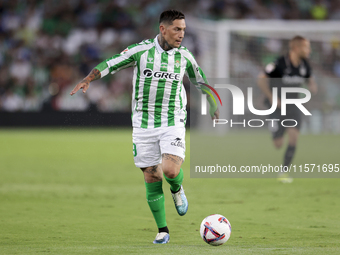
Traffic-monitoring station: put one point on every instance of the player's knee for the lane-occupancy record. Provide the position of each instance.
(152, 174)
(170, 172)
(293, 137)
(292, 142)
(278, 143)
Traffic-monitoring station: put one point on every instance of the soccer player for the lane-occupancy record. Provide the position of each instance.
(290, 70)
(158, 110)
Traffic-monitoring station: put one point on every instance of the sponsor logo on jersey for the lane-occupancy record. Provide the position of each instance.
(289, 80)
(178, 143)
(161, 75)
(150, 60)
(147, 72)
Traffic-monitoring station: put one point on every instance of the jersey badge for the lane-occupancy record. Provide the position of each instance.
(177, 63)
(303, 71)
(270, 67)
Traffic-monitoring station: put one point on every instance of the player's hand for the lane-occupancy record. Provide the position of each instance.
(81, 85)
(216, 115)
(313, 88)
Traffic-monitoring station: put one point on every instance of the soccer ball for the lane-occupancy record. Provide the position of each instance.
(215, 229)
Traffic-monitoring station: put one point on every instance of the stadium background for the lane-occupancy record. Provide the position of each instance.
(76, 190)
(46, 47)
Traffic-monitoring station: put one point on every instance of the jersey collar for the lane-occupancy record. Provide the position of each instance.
(160, 50)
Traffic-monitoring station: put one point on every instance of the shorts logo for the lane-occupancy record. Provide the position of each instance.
(178, 142)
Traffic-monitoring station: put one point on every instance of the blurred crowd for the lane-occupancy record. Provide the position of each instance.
(46, 47)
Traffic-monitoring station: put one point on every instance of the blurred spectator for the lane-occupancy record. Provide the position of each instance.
(47, 46)
(12, 102)
(319, 11)
(335, 7)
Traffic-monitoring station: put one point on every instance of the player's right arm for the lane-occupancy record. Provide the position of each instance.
(197, 76)
(112, 65)
(263, 83)
(85, 83)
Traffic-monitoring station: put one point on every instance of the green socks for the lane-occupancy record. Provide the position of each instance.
(155, 198)
(175, 183)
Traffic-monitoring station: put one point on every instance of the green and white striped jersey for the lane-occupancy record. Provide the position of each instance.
(158, 97)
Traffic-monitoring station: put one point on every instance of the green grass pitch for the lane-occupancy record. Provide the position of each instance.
(77, 191)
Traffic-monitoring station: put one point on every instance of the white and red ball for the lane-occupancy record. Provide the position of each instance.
(215, 229)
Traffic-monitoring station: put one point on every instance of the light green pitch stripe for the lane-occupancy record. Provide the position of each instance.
(160, 92)
(146, 89)
(172, 99)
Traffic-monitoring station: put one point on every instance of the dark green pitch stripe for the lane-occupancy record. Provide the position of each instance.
(160, 93)
(171, 109)
(146, 90)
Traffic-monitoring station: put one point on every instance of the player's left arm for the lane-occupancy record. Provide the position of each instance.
(313, 87)
(311, 83)
(197, 76)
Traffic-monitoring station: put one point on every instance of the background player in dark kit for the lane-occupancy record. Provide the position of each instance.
(289, 70)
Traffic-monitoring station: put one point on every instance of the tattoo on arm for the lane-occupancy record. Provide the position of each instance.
(92, 76)
(176, 159)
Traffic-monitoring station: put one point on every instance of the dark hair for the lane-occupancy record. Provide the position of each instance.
(169, 16)
(296, 40)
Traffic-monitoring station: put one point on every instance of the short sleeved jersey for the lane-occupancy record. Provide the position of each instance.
(284, 74)
(158, 97)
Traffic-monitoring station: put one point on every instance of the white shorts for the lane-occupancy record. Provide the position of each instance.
(150, 144)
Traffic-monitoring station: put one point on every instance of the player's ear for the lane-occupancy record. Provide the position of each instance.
(162, 28)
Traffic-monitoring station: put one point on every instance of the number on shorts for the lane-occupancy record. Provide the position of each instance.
(134, 150)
